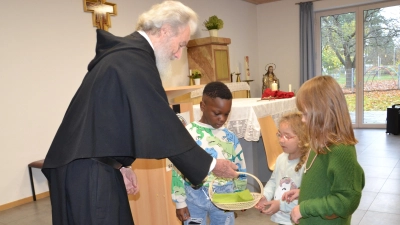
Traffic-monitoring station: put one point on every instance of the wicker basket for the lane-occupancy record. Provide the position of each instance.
(238, 205)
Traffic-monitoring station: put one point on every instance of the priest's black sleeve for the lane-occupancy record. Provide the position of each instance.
(193, 164)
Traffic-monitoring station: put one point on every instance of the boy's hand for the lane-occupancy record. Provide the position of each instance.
(225, 168)
(183, 214)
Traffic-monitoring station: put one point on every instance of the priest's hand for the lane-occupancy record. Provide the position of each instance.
(183, 214)
(130, 180)
(225, 168)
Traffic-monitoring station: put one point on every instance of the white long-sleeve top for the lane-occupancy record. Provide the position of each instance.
(283, 178)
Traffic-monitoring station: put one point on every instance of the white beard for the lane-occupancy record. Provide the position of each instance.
(163, 63)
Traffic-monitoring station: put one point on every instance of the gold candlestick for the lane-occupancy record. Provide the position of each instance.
(191, 81)
(238, 77)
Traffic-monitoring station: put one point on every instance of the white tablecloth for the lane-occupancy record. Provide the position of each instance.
(239, 86)
(243, 119)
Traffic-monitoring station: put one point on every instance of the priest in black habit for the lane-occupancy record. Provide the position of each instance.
(121, 113)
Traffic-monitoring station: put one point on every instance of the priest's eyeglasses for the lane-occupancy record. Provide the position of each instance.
(284, 136)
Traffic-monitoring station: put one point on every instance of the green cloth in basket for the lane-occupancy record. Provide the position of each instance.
(242, 196)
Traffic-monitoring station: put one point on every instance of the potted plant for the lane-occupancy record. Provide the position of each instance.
(213, 24)
(195, 75)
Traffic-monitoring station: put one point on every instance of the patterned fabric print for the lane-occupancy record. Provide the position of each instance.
(220, 144)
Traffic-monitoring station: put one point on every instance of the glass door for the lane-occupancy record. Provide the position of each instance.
(338, 52)
(360, 48)
(381, 26)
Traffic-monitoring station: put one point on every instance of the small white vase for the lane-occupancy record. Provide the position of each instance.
(197, 81)
(213, 32)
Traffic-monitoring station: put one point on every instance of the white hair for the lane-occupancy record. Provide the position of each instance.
(173, 13)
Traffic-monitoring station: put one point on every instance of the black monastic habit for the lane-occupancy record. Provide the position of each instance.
(119, 111)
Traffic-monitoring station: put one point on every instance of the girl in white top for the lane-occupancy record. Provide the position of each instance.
(288, 171)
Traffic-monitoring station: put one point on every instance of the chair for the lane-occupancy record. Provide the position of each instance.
(271, 143)
(36, 164)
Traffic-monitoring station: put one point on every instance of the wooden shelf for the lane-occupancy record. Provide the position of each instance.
(208, 41)
(210, 55)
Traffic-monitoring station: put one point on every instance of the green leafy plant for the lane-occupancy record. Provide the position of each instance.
(195, 74)
(213, 22)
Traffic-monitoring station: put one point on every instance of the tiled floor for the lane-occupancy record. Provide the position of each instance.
(378, 153)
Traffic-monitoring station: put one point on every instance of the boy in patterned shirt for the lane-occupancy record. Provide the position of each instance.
(193, 204)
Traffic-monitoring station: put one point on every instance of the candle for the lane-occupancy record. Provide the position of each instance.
(290, 87)
(274, 86)
(190, 72)
(237, 69)
(246, 63)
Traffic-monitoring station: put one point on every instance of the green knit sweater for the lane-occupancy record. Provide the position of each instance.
(331, 188)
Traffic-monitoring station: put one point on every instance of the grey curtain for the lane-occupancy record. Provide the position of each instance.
(307, 53)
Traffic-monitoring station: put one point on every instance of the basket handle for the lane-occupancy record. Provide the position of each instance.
(247, 174)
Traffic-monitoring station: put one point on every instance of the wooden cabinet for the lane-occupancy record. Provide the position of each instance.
(153, 204)
(210, 56)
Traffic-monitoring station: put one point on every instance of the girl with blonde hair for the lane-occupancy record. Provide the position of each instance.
(333, 179)
(288, 170)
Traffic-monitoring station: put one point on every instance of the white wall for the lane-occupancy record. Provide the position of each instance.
(278, 41)
(240, 25)
(45, 47)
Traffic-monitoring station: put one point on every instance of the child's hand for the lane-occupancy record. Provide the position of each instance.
(261, 204)
(183, 214)
(272, 207)
(295, 214)
(291, 195)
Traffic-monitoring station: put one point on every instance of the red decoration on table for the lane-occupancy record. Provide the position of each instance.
(269, 94)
